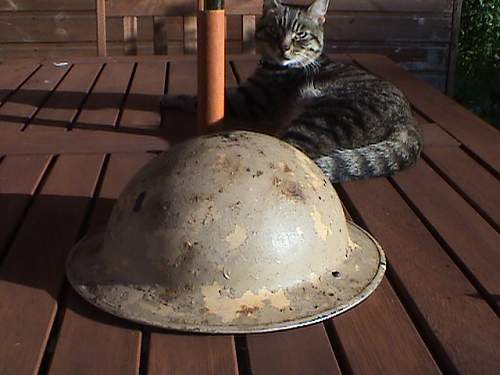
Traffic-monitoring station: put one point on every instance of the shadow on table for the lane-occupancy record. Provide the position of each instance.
(171, 124)
(34, 248)
(76, 99)
(35, 237)
(67, 103)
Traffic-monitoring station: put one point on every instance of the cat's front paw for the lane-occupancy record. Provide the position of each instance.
(185, 103)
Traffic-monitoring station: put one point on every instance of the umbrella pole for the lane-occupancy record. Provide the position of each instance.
(211, 64)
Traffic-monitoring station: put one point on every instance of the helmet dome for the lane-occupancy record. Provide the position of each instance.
(232, 232)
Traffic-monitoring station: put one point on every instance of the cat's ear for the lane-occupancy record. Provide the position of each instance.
(317, 11)
(270, 5)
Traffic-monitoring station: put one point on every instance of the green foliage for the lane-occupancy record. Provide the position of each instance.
(478, 64)
(479, 35)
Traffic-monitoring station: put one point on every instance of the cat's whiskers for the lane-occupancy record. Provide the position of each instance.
(310, 66)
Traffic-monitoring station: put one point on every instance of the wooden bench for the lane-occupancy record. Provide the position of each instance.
(421, 35)
(167, 15)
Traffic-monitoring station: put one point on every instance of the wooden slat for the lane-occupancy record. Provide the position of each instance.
(181, 7)
(427, 61)
(160, 35)
(433, 6)
(190, 36)
(176, 48)
(249, 34)
(89, 338)
(35, 27)
(134, 59)
(234, 33)
(142, 109)
(103, 105)
(175, 28)
(175, 32)
(182, 80)
(92, 342)
(130, 35)
(192, 354)
(369, 333)
(12, 75)
(80, 27)
(455, 36)
(65, 101)
(478, 185)
(434, 79)
(425, 56)
(300, 351)
(246, 7)
(460, 327)
(101, 27)
(65, 50)
(469, 237)
(32, 273)
(398, 27)
(234, 28)
(176, 7)
(436, 136)
(150, 7)
(45, 5)
(19, 177)
(22, 105)
(79, 141)
(474, 133)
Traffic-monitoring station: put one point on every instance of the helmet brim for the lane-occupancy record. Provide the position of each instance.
(308, 301)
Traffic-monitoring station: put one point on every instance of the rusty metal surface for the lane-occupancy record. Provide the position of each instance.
(228, 233)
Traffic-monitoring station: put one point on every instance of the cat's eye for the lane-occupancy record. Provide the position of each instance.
(301, 34)
(273, 29)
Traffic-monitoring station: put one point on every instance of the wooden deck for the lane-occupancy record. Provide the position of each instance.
(71, 135)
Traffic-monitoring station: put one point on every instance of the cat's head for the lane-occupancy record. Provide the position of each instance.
(290, 35)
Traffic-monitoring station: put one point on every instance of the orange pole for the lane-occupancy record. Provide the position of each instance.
(211, 69)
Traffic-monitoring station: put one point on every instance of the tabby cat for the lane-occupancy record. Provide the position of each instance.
(351, 123)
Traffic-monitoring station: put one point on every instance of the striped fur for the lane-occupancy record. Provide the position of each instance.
(351, 123)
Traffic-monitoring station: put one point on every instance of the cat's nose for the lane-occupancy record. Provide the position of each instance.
(285, 47)
(286, 50)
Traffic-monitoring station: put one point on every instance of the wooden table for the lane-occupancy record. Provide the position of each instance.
(71, 135)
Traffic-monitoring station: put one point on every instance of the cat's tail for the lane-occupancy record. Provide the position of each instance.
(397, 152)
